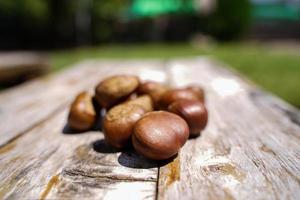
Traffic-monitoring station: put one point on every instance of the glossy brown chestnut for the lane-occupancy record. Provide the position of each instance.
(82, 115)
(176, 94)
(144, 101)
(154, 89)
(159, 135)
(193, 112)
(199, 91)
(118, 123)
(115, 89)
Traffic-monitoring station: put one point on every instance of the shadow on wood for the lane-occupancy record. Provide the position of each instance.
(133, 160)
(128, 157)
(101, 146)
(68, 130)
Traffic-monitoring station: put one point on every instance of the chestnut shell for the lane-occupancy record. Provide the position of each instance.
(82, 114)
(144, 101)
(193, 112)
(176, 94)
(115, 89)
(199, 91)
(154, 89)
(159, 135)
(118, 124)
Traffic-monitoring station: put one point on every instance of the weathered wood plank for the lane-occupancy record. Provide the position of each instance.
(250, 149)
(36, 100)
(17, 66)
(49, 163)
(46, 163)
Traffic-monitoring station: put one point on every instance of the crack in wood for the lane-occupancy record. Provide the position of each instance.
(157, 184)
(115, 178)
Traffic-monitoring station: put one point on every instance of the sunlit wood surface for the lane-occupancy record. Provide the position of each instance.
(250, 149)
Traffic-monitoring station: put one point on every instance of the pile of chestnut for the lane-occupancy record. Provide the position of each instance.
(155, 119)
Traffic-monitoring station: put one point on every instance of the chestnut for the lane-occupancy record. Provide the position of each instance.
(199, 91)
(115, 89)
(175, 94)
(154, 89)
(159, 135)
(145, 101)
(193, 112)
(118, 123)
(82, 114)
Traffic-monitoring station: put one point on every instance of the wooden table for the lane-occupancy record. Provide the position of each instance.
(250, 149)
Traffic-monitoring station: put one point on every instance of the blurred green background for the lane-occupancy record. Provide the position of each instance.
(239, 33)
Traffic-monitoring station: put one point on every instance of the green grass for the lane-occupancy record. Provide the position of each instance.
(274, 69)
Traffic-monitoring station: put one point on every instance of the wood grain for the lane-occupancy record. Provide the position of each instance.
(250, 149)
(47, 163)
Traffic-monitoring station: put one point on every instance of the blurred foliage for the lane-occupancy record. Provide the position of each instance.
(35, 11)
(109, 8)
(7, 7)
(52, 23)
(230, 19)
(105, 14)
(60, 23)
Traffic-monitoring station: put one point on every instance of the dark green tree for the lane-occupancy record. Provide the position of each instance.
(230, 19)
